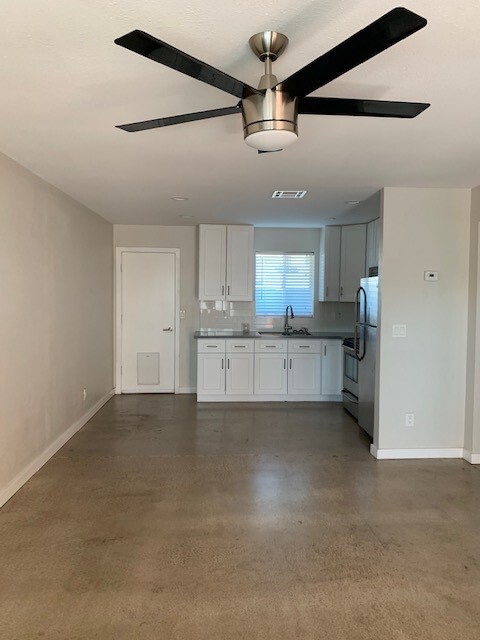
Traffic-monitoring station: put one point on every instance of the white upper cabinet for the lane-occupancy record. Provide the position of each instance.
(342, 262)
(352, 260)
(240, 263)
(212, 261)
(226, 264)
(329, 265)
(372, 244)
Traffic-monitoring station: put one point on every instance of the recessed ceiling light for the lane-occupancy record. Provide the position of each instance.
(178, 198)
(186, 217)
(352, 202)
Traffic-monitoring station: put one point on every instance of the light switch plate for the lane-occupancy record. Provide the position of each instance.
(399, 330)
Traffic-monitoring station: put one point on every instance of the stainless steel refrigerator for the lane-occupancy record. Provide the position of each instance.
(366, 308)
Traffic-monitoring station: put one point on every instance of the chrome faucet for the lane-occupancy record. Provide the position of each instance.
(286, 326)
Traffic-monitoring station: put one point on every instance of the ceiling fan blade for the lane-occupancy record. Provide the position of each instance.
(150, 47)
(367, 43)
(273, 151)
(353, 107)
(187, 117)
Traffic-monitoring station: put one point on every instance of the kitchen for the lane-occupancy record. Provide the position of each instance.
(240, 353)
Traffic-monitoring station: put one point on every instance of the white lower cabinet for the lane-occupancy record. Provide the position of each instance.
(271, 374)
(304, 374)
(239, 374)
(211, 374)
(332, 373)
(269, 369)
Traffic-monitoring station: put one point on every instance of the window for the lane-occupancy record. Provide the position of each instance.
(282, 279)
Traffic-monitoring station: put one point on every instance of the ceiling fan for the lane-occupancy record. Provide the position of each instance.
(270, 111)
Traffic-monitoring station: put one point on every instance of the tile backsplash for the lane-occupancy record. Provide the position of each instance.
(328, 316)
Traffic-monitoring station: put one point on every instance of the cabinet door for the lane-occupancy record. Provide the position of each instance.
(332, 371)
(239, 377)
(270, 373)
(212, 262)
(240, 266)
(329, 265)
(211, 374)
(372, 244)
(352, 260)
(304, 374)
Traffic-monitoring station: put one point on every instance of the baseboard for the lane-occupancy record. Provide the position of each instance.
(473, 458)
(186, 390)
(414, 454)
(267, 398)
(14, 485)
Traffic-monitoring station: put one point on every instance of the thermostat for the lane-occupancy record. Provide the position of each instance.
(431, 275)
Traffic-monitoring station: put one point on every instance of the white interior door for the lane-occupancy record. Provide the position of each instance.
(147, 322)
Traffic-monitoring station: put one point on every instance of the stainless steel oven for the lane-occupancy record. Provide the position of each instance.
(350, 377)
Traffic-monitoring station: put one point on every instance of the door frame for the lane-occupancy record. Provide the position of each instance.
(118, 310)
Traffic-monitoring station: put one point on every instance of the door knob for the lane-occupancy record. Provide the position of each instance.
(168, 329)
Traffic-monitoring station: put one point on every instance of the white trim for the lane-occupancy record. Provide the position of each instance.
(118, 307)
(20, 479)
(413, 454)
(267, 398)
(473, 458)
(187, 390)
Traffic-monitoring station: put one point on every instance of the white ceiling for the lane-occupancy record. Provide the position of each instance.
(65, 85)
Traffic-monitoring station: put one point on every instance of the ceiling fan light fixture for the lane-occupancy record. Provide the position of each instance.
(271, 139)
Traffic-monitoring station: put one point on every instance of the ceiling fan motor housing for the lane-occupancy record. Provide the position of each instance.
(274, 110)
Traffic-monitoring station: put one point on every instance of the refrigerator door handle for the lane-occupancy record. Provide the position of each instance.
(360, 358)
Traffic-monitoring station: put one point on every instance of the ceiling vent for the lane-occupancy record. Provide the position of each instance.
(288, 195)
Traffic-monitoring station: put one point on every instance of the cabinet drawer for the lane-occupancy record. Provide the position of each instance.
(241, 345)
(210, 345)
(305, 346)
(271, 345)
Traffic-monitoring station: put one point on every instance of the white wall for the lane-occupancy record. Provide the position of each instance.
(185, 239)
(425, 373)
(472, 417)
(55, 319)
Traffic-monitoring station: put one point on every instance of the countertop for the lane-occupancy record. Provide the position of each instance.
(271, 335)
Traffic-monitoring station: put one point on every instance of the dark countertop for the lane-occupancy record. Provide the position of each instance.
(271, 335)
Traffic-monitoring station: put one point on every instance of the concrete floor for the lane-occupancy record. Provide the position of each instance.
(163, 519)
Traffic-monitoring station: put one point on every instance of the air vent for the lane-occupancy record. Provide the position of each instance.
(288, 195)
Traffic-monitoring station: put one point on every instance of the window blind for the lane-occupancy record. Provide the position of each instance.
(282, 279)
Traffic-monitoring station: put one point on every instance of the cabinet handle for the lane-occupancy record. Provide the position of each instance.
(284, 363)
(325, 350)
(228, 363)
(341, 291)
(270, 346)
(290, 363)
(223, 289)
(222, 363)
(240, 346)
(211, 346)
(327, 293)
(228, 290)
(304, 346)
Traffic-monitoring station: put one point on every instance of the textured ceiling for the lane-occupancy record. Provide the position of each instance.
(65, 85)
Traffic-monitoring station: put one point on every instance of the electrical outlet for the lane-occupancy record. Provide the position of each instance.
(409, 420)
(182, 314)
(338, 315)
(84, 395)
